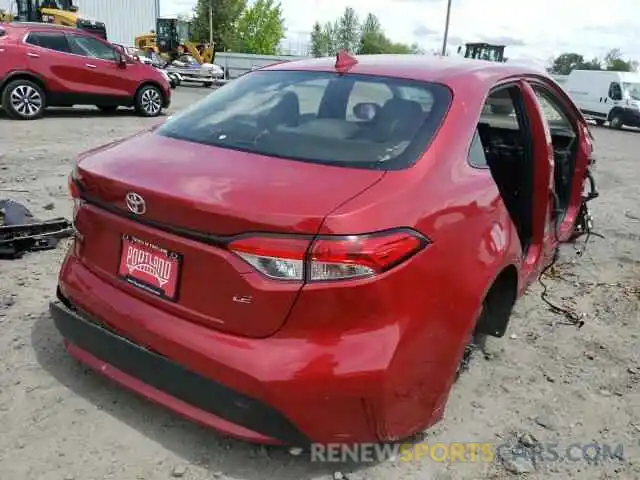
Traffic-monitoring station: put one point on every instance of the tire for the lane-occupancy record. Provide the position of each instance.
(207, 84)
(24, 100)
(149, 101)
(599, 122)
(616, 121)
(107, 108)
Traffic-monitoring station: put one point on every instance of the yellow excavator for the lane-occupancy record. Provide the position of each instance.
(171, 40)
(58, 12)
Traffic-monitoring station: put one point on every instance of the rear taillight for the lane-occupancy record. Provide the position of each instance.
(74, 191)
(328, 257)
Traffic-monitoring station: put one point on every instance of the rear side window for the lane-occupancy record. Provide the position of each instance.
(348, 120)
(49, 40)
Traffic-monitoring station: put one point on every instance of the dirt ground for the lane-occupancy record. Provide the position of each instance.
(544, 383)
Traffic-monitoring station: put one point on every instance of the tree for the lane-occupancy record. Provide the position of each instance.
(613, 61)
(225, 17)
(318, 41)
(330, 38)
(367, 39)
(349, 30)
(566, 62)
(371, 26)
(260, 28)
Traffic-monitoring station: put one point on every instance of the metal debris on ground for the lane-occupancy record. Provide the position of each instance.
(21, 232)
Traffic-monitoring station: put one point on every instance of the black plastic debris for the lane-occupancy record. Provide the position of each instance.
(21, 232)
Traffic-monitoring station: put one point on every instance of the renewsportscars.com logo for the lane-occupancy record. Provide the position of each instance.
(467, 452)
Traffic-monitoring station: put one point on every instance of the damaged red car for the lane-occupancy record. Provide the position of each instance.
(306, 254)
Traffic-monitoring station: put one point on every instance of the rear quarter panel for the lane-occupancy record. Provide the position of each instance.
(12, 57)
(438, 294)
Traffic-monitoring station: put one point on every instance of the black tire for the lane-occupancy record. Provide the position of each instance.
(616, 121)
(24, 100)
(149, 101)
(107, 108)
(600, 122)
(207, 84)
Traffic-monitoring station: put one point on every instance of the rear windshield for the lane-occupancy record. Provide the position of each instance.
(348, 120)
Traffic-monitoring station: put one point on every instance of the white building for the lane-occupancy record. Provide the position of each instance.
(125, 19)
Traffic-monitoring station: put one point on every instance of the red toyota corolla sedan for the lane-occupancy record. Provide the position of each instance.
(304, 255)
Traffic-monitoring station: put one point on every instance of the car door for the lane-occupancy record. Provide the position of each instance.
(49, 57)
(539, 252)
(563, 121)
(103, 74)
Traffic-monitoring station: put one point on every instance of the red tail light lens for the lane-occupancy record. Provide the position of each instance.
(328, 257)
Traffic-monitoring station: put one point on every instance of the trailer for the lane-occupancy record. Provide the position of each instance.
(237, 64)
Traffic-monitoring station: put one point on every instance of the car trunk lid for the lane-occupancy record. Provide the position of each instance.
(195, 197)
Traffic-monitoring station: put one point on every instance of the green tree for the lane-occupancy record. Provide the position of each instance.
(372, 43)
(398, 48)
(318, 41)
(593, 64)
(372, 39)
(563, 64)
(371, 25)
(614, 61)
(330, 38)
(225, 17)
(349, 30)
(260, 28)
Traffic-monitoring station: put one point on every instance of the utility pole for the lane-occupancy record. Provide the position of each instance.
(211, 23)
(446, 29)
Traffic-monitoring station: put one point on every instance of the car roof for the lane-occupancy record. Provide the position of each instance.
(40, 26)
(432, 68)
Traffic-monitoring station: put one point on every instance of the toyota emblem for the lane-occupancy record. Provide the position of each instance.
(135, 203)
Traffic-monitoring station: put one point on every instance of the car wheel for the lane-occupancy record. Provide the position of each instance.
(600, 122)
(207, 84)
(149, 101)
(108, 108)
(23, 100)
(616, 121)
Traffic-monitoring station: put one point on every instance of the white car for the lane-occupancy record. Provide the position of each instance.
(606, 96)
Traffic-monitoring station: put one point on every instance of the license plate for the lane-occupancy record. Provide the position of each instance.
(150, 267)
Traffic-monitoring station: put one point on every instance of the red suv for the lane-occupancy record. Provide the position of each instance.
(45, 65)
(307, 253)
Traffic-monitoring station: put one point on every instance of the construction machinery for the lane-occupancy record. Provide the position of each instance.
(484, 51)
(171, 40)
(58, 12)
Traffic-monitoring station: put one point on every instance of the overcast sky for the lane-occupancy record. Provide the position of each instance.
(536, 29)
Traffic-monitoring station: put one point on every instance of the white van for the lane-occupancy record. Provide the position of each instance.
(605, 96)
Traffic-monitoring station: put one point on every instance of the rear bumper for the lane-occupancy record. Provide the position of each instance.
(278, 390)
(165, 382)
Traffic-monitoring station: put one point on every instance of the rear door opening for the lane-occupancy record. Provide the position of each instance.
(503, 142)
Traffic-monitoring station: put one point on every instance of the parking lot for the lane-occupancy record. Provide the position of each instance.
(545, 380)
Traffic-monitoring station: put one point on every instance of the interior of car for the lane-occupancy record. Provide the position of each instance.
(508, 153)
(322, 117)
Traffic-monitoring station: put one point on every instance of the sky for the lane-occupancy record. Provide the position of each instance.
(533, 30)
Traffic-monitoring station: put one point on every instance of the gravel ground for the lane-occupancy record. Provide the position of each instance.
(543, 383)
